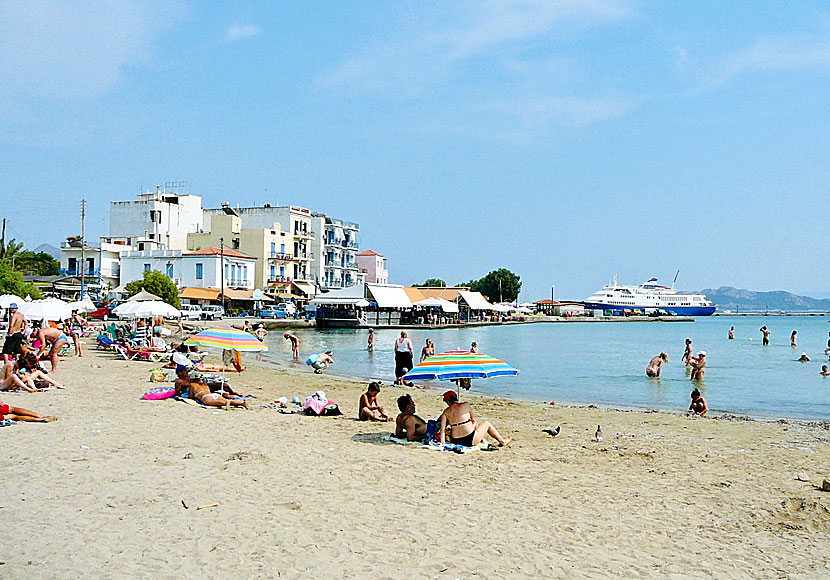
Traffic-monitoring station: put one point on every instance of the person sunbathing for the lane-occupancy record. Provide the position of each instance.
(30, 372)
(369, 408)
(463, 427)
(408, 424)
(13, 381)
(18, 414)
(191, 385)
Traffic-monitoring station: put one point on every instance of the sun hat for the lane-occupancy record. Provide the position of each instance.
(702, 353)
(13, 305)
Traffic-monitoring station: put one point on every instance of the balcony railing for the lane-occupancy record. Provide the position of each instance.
(276, 279)
(281, 256)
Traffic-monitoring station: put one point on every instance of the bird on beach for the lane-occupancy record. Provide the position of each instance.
(553, 432)
(598, 434)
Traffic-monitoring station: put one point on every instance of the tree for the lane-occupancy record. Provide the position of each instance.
(473, 285)
(40, 264)
(11, 282)
(10, 250)
(500, 285)
(434, 282)
(156, 283)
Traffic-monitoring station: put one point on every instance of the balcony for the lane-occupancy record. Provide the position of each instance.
(304, 256)
(76, 272)
(350, 265)
(302, 234)
(284, 256)
(278, 279)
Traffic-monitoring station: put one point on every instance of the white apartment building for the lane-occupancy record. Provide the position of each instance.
(335, 244)
(200, 269)
(161, 217)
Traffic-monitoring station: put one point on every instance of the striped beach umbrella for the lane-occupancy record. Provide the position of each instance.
(227, 338)
(460, 364)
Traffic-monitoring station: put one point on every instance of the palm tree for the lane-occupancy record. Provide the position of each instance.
(10, 250)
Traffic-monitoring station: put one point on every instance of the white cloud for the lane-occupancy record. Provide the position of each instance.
(241, 32)
(782, 53)
(540, 112)
(73, 50)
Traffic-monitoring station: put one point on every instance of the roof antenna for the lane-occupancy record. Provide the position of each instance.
(675, 279)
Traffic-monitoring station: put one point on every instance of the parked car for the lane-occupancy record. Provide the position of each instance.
(104, 310)
(288, 308)
(191, 311)
(273, 312)
(212, 312)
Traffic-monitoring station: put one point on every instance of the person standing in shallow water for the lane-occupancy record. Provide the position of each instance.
(793, 341)
(765, 336)
(687, 354)
(654, 366)
(731, 335)
(370, 342)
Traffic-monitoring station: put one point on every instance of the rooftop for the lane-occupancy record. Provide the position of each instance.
(217, 251)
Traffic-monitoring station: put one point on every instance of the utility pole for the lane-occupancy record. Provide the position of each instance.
(3, 240)
(83, 244)
(222, 268)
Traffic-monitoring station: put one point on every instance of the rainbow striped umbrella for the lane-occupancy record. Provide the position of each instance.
(227, 338)
(460, 364)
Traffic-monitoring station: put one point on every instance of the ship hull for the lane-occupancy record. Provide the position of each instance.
(678, 310)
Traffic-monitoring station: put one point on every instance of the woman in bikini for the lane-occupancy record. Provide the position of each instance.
(463, 427)
(654, 366)
(190, 385)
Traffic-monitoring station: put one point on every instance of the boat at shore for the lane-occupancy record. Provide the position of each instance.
(648, 297)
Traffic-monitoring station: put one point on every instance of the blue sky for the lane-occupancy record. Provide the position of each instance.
(564, 140)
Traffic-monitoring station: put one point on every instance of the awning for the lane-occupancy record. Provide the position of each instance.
(440, 292)
(414, 294)
(234, 294)
(475, 300)
(445, 305)
(305, 288)
(389, 296)
(194, 293)
(359, 302)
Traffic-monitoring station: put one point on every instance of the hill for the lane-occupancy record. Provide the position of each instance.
(739, 300)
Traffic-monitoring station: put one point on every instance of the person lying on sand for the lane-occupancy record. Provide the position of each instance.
(13, 381)
(18, 414)
(369, 410)
(654, 366)
(408, 424)
(698, 406)
(191, 385)
(463, 428)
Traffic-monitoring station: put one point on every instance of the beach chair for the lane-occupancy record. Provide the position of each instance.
(105, 342)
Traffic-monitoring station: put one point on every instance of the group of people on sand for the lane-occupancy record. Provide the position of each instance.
(458, 418)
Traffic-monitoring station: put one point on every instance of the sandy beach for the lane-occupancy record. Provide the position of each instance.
(113, 488)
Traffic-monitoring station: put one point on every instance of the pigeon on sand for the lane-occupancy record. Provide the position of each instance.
(553, 432)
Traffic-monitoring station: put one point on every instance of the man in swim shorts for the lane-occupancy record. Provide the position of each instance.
(408, 424)
(14, 335)
(765, 332)
(463, 428)
(191, 385)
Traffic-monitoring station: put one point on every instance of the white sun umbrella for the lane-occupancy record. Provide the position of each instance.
(49, 309)
(7, 299)
(83, 306)
(147, 309)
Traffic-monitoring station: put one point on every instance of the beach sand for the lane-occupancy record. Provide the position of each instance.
(111, 490)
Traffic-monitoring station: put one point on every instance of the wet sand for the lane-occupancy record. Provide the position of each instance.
(113, 489)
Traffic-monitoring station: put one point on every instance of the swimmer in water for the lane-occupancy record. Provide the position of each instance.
(803, 357)
(824, 371)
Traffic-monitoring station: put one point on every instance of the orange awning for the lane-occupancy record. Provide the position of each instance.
(193, 293)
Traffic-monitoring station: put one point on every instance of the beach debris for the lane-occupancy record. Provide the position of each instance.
(825, 485)
(553, 402)
(188, 456)
(553, 432)
(210, 505)
(598, 434)
(85, 447)
(802, 477)
(185, 505)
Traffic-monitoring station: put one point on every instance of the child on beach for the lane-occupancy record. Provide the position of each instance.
(698, 406)
(369, 409)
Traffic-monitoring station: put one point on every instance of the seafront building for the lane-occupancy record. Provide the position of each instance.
(200, 269)
(373, 266)
(157, 218)
(335, 245)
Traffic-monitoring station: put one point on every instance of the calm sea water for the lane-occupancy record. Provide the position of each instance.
(604, 363)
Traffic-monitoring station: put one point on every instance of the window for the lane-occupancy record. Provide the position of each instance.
(244, 273)
(273, 272)
(73, 265)
(273, 247)
(199, 271)
(227, 269)
(146, 267)
(282, 248)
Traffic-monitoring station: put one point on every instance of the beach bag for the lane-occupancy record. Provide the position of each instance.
(432, 429)
(158, 376)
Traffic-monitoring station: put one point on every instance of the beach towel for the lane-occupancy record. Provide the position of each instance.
(320, 407)
(435, 446)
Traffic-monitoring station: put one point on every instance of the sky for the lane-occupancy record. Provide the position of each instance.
(564, 140)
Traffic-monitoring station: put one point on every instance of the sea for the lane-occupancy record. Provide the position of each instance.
(603, 363)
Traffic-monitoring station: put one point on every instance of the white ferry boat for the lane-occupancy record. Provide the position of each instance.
(648, 297)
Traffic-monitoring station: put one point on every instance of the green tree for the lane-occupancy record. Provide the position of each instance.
(40, 264)
(434, 282)
(11, 282)
(10, 250)
(500, 285)
(156, 283)
(473, 285)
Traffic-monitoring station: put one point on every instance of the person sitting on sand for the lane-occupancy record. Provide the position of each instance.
(13, 381)
(698, 366)
(191, 385)
(803, 357)
(18, 414)
(369, 410)
(463, 427)
(824, 371)
(30, 372)
(322, 362)
(698, 406)
(295, 344)
(408, 424)
(654, 366)
(57, 338)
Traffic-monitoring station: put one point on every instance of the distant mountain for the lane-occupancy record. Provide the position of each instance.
(738, 300)
(49, 249)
